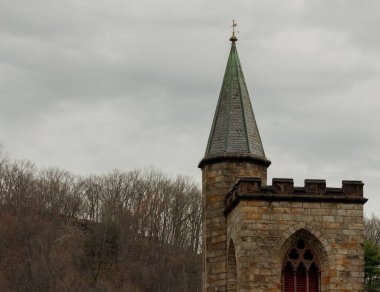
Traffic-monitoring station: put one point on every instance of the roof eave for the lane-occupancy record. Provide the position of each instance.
(234, 158)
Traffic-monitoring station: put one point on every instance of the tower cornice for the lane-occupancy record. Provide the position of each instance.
(234, 158)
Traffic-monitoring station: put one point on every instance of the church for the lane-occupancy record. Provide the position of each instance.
(269, 237)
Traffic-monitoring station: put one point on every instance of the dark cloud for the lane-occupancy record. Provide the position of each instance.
(93, 85)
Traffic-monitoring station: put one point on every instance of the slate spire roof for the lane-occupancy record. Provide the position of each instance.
(234, 131)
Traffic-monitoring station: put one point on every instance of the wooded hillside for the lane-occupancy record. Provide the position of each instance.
(124, 231)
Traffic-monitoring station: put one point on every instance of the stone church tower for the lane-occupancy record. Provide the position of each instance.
(278, 237)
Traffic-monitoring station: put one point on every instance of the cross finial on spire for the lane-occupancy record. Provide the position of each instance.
(234, 24)
(233, 38)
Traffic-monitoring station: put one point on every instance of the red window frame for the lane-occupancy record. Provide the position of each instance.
(300, 269)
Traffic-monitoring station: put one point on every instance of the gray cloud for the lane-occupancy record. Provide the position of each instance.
(93, 85)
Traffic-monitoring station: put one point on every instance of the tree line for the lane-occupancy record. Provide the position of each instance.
(138, 230)
(372, 253)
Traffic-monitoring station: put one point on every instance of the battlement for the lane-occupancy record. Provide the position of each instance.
(283, 189)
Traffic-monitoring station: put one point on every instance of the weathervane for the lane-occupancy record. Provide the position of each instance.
(233, 38)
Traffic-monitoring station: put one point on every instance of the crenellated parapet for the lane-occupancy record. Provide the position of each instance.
(283, 189)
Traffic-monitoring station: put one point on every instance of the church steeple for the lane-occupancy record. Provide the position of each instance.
(234, 132)
(234, 150)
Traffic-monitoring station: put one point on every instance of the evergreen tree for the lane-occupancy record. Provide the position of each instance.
(372, 266)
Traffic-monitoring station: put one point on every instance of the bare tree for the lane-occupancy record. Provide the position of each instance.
(123, 230)
(372, 229)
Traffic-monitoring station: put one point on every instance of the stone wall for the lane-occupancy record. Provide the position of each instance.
(217, 180)
(264, 221)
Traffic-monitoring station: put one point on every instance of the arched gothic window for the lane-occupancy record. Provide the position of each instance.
(300, 269)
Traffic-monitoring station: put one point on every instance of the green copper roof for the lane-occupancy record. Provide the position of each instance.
(234, 130)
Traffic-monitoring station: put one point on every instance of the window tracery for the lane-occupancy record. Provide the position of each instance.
(300, 271)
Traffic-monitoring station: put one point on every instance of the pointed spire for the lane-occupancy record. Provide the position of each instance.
(234, 132)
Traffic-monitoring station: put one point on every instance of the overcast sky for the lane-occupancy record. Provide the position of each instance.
(91, 85)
